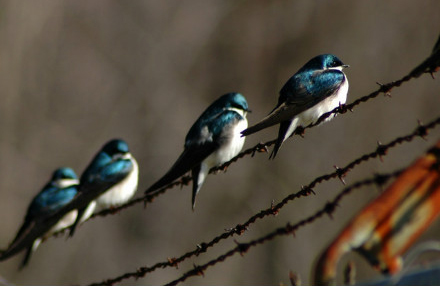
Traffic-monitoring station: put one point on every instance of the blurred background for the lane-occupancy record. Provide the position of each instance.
(75, 74)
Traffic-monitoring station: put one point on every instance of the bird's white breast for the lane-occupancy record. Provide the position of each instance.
(121, 192)
(65, 221)
(312, 114)
(231, 147)
(70, 218)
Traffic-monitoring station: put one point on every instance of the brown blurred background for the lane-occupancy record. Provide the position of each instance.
(74, 74)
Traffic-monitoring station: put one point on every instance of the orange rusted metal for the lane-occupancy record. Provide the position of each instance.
(390, 224)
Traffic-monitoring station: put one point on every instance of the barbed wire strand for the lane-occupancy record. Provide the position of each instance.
(328, 209)
(260, 147)
(381, 150)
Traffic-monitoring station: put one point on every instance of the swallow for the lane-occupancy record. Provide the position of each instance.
(318, 87)
(211, 141)
(111, 178)
(55, 195)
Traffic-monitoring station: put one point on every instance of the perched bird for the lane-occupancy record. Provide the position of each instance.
(212, 140)
(111, 178)
(56, 194)
(318, 87)
(431, 64)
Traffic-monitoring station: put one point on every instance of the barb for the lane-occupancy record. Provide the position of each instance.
(381, 150)
(260, 147)
(305, 191)
(328, 209)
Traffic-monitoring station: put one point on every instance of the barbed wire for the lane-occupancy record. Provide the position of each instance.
(381, 150)
(328, 209)
(262, 147)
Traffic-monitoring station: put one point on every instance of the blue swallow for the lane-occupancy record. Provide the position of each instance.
(212, 140)
(318, 87)
(55, 195)
(111, 178)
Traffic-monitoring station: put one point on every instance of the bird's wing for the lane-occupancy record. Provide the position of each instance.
(38, 219)
(114, 171)
(192, 156)
(29, 232)
(95, 184)
(203, 139)
(299, 94)
(104, 173)
(279, 114)
(45, 212)
(50, 199)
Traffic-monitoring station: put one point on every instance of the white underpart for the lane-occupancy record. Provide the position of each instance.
(312, 114)
(228, 150)
(204, 170)
(66, 221)
(70, 217)
(123, 191)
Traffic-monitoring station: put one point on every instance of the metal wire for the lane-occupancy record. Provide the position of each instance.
(329, 208)
(381, 150)
(261, 147)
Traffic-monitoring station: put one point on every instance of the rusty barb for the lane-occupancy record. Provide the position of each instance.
(340, 172)
(289, 229)
(379, 180)
(263, 147)
(427, 168)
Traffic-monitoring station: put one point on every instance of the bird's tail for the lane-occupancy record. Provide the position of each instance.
(195, 172)
(165, 180)
(257, 127)
(286, 130)
(27, 257)
(180, 168)
(277, 147)
(273, 118)
(277, 115)
(77, 221)
(266, 122)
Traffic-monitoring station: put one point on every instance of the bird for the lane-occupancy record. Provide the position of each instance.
(211, 141)
(318, 87)
(55, 195)
(431, 64)
(111, 178)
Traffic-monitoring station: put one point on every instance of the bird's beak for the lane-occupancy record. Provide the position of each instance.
(345, 66)
(248, 110)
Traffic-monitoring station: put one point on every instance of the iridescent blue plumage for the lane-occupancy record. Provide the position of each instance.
(212, 140)
(318, 87)
(112, 174)
(56, 194)
(51, 198)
